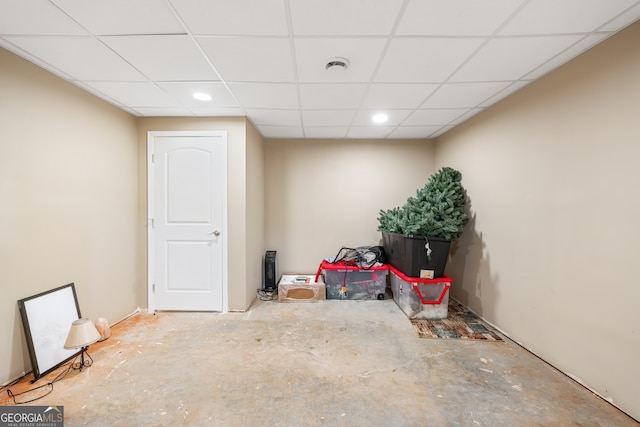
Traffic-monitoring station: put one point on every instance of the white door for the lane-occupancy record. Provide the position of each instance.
(187, 223)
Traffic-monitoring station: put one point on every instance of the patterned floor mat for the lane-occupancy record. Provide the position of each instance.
(459, 324)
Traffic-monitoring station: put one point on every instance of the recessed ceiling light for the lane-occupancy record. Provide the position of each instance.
(379, 118)
(202, 96)
(336, 65)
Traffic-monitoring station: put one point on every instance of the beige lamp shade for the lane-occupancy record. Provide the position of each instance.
(81, 334)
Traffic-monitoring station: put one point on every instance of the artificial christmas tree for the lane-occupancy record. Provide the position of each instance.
(426, 223)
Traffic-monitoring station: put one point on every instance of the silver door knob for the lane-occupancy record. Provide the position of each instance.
(215, 233)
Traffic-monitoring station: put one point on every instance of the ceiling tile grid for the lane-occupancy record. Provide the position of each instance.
(429, 65)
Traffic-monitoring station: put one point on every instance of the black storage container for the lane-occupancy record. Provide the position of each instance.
(408, 254)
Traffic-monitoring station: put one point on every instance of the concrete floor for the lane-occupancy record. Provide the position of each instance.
(336, 363)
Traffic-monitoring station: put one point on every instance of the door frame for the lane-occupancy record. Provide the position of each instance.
(151, 135)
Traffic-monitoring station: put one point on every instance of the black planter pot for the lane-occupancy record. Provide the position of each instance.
(408, 254)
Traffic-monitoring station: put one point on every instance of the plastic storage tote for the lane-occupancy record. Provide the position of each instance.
(353, 283)
(409, 254)
(421, 298)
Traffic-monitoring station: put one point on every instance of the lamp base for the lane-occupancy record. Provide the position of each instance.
(83, 362)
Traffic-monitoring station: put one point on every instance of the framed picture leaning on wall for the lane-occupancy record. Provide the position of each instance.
(46, 319)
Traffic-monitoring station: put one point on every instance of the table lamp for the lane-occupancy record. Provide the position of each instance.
(82, 334)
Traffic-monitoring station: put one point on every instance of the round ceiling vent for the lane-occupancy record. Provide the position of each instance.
(336, 64)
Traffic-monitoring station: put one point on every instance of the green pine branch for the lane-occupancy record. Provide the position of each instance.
(437, 209)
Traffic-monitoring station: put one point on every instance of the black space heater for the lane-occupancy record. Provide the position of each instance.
(270, 284)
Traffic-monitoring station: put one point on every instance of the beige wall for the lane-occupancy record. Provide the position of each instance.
(68, 201)
(550, 255)
(236, 128)
(325, 194)
(255, 214)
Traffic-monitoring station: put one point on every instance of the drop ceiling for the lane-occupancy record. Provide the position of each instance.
(428, 64)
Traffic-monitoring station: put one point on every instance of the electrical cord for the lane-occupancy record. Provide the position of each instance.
(12, 383)
(267, 296)
(365, 257)
(58, 377)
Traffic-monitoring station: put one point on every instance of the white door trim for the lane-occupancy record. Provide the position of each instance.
(151, 135)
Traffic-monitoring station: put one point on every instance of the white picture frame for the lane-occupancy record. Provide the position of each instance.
(46, 319)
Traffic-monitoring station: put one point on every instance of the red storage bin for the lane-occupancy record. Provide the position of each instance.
(421, 298)
(344, 281)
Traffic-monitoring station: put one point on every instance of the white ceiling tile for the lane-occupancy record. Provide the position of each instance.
(456, 95)
(514, 87)
(511, 58)
(183, 92)
(327, 117)
(82, 58)
(131, 111)
(343, 17)
(312, 55)
(135, 94)
(97, 93)
(163, 58)
(466, 116)
(250, 59)
(274, 117)
(233, 17)
(281, 131)
(6, 44)
(429, 60)
(397, 95)
(163, 112)
(328, 132)
(567, 55)
(455, 18)
(272, 56)
(340, 96)
(266, 95)
(369, 132)
(441, 131)
(395, 117)
(123, 16)
(626, 18)
(562, 17)
(36, 17)
(413, 132)
(434, 117)
(217, 112)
